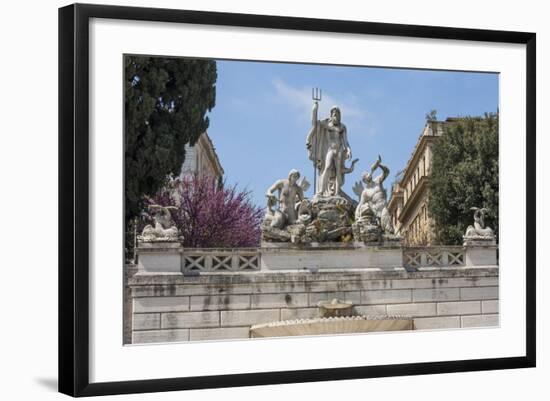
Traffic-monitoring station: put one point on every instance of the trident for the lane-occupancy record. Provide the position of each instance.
(316, 95)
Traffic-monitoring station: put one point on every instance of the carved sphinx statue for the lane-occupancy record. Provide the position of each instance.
(479, 230)
(164, 228)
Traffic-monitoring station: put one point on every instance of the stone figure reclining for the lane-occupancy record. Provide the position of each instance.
(373, 197)
(290, 194)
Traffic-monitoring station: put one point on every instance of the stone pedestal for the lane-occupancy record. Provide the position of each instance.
(480, 251)
(159, 257)
(330, 256)
(322, 219)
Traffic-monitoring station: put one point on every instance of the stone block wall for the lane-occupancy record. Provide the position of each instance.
(165, 307)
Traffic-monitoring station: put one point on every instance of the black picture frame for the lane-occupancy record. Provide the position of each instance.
(74, 194)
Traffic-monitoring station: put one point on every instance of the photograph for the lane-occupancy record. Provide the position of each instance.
(291, 200)
(250, 199)
(270, 199)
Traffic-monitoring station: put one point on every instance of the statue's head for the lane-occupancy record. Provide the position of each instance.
(293, 176)
(367, 177)
(335, 114)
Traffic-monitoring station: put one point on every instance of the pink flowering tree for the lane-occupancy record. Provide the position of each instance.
(209, 215)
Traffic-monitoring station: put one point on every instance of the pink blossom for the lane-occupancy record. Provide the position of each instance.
(211, 215)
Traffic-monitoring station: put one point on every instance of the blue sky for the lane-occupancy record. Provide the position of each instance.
(263, 115)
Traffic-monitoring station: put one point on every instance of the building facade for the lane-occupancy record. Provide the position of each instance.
(202, 159)
(408, 205)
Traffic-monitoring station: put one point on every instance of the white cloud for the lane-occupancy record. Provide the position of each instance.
(300, 99)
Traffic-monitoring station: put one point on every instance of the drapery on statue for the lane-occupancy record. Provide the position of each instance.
(290, 193)
(328, 149)
(164, 228)
(373, 197)
(479, 229)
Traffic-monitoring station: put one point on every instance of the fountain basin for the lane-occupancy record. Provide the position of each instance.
(332, 325)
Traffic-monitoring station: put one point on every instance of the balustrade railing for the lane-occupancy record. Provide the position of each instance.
(219, 260)
(434, 256)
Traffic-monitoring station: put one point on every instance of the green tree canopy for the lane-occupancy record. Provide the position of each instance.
(166, 101)
(464, 175)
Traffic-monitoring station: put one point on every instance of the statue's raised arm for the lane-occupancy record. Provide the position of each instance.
(314, 119)
(385, 170)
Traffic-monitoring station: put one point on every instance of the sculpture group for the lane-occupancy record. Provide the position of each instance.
(331, 215)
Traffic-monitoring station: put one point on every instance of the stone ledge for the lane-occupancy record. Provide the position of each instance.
(144, 278)
(159, 246)
(322, 246)
(331, 257)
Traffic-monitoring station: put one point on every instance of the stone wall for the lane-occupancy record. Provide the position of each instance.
(169, 307)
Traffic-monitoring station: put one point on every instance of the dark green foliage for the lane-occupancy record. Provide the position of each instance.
(464, 175)
(166, 101)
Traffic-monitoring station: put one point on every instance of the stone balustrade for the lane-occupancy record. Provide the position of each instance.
(434, 256)
(173, 258)
(220, 260)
